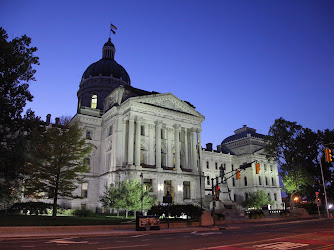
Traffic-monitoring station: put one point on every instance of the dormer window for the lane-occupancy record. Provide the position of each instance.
(93, 103)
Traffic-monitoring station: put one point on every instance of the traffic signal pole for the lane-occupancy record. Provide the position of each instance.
(323, 184)
(213, 203)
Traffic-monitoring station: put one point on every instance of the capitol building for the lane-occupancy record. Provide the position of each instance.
(135, 131)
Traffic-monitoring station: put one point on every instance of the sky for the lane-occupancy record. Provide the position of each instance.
(238, 62)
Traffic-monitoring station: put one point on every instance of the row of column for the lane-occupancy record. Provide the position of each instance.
(195, 142)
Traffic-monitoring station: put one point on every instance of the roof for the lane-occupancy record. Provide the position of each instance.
(243, 133)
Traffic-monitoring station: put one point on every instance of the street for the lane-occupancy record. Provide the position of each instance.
(313, 234)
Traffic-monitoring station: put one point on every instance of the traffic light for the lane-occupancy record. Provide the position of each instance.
(217, 191)
(238, 174)
(257, 165)
(328, 155)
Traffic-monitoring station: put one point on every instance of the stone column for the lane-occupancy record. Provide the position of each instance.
(193, 150)
(119, 150)
(151, 153)
(137, 145)
(169, 132)
(130, 142)
(186, 156)
(199, 145)
(177, 146)
(158, 145)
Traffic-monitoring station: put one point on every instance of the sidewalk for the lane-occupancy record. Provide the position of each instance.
(121, 230)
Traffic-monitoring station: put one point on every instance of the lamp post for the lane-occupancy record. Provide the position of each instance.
(142, 192)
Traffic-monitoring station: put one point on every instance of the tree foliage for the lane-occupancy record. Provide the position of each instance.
(296, 150)
(56, 162)
(16, 71)
(127, 195)
(256, 200)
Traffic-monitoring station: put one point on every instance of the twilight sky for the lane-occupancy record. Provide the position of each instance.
(238, 62)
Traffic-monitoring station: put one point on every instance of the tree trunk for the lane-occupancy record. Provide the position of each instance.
(54, 209)
(126, 213)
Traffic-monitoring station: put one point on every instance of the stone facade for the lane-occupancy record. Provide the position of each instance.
(136, 132)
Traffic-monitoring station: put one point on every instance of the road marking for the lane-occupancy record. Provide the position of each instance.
(248, 243)
(206, 233)
(66, 241)
(139, 235)
(281, 245)
(125, 246)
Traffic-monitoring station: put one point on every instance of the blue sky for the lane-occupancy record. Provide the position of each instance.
(239, 62)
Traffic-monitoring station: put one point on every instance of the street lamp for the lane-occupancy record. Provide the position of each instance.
(142, 192)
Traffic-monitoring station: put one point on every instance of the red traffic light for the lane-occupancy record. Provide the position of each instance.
(238, 174)
(257, 165)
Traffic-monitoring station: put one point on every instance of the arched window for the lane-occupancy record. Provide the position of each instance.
(275, 196)
(260, 182)
(93, 103)
(266, 181)
(272, 181)
(208, 180)
(245, 179)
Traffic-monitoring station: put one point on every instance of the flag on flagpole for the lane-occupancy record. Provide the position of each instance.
(113, 31)
(113, 27)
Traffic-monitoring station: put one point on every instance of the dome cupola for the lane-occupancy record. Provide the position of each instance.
(101, 78)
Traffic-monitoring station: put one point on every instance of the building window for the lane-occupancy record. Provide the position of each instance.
(110, 130)
(260, 182)
(208, 180)
(186, 190)
(84, 190)
(93, 103)
(108, 161)
(232, 167)
(87, 161)
(275, 197)
(148, 185)
(163, 136)
(168, 187)
(245, 179)
(265, 166)
(269, 195)
(271, 168)
(88, 134)
(216, 165)
(207, 165)
(272, 181)
(233, 182)
(83, 206)
(142, 130)
(163, 158)
(266, 181)
(235, 197)
(142, 155)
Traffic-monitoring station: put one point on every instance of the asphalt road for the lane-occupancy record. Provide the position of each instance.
(315, 234)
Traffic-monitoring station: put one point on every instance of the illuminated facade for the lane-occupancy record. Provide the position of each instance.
(136, 132)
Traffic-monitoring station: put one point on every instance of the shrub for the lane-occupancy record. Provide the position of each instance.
(176, 210)
(256, 214)
(83, 213)
(284, 213)
(31, 207)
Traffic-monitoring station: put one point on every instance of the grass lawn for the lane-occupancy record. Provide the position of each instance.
(44, 220)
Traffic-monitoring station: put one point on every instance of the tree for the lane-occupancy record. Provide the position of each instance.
(127, 195)
(256, 200)
(296, 150)
(56, 162)
(16, 71)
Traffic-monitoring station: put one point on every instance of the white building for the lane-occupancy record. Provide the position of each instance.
(135, 132)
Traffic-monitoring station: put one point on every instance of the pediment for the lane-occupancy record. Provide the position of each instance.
(167, 101)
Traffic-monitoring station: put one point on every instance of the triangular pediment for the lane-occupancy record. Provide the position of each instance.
(167, 101)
